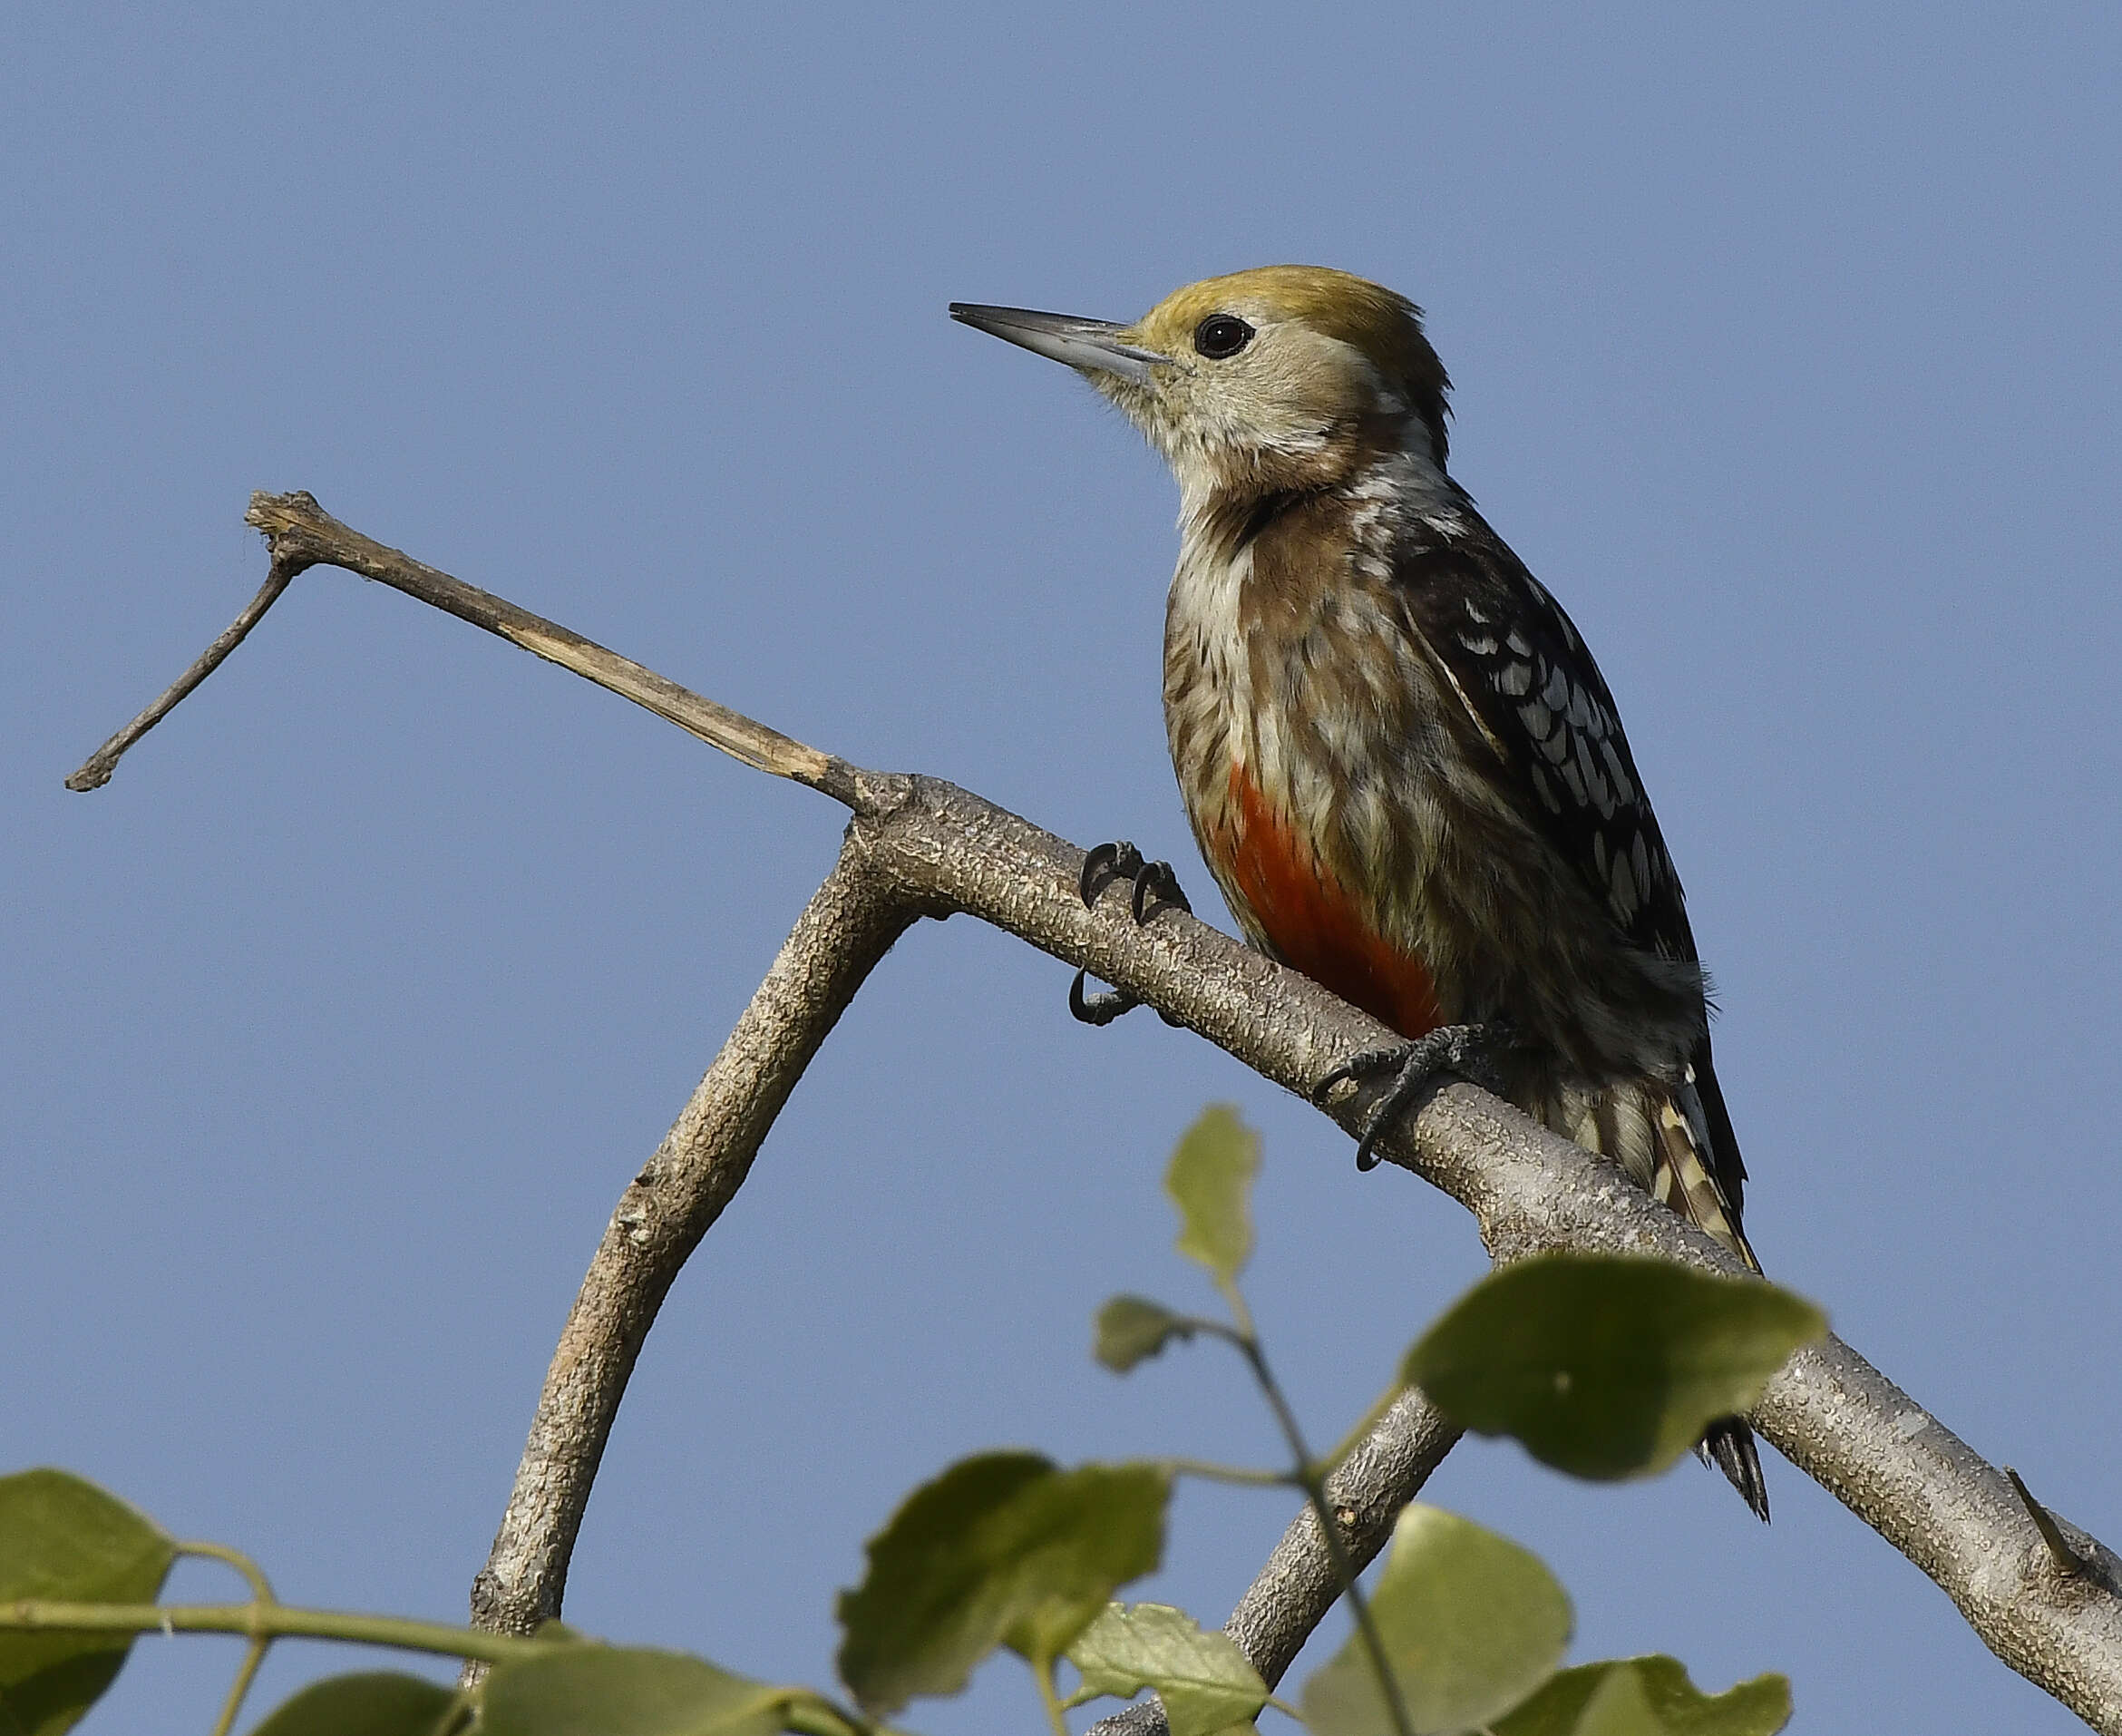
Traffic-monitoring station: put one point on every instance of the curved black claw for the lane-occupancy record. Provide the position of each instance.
(1467, 1050)
(1101, 1009)
(1156, 888)
(1103, 864)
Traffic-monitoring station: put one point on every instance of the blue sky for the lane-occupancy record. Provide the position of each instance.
(1785, 355)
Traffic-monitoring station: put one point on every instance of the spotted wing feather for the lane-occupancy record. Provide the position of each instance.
(1539, 700)
(1540, 703)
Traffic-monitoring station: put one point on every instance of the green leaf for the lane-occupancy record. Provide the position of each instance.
(1607, 1367)
(1002, 1549)
(614, 1691)
(1210, 1180)
(65, 1540)
(1202, 1678)
(383, 1702)
(1617, 1707)
(1132, 1328)
(1674, 1705)
(1471, 1625)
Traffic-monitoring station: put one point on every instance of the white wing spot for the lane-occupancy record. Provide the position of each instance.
(1617, 771)
(1557, 691)
(1516, 680)
(1624, 888)
(1537, 719)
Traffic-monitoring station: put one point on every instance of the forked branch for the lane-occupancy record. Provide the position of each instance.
(918, 846)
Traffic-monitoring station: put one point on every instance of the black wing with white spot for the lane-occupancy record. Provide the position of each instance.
(1538, 697)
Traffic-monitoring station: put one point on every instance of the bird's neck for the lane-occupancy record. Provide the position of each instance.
(1384, 484)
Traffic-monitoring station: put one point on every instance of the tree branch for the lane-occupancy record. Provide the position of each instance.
(1828, 1411)
(847, 927)
(921, 845)
(1291, 1595)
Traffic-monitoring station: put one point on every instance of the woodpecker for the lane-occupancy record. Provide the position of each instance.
(1399, 759)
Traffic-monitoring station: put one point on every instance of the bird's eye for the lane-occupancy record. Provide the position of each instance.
(1221, 335)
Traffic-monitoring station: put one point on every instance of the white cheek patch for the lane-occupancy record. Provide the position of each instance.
(1290, 390)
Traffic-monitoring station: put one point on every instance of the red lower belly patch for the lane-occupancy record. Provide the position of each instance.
(1313, 922)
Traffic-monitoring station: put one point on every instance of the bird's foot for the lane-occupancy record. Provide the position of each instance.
(1155, 886)
(1470, 1051)
(1152, 887)
(1097, 1007)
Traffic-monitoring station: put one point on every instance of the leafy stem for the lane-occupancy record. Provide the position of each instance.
(1311, 1478)
(261, 1589)
(267, 1620)
(254, 1654)
(1050, 1695)
(1244, 1476)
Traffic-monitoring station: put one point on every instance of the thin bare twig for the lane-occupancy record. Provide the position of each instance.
(302, 535)
(927, 846)
(96, 769)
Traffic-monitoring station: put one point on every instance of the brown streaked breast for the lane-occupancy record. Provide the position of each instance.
(1311, 920)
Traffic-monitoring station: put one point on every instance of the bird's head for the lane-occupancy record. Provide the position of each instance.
(1288, 377)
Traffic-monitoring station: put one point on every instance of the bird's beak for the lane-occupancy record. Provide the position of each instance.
(1097, 346)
